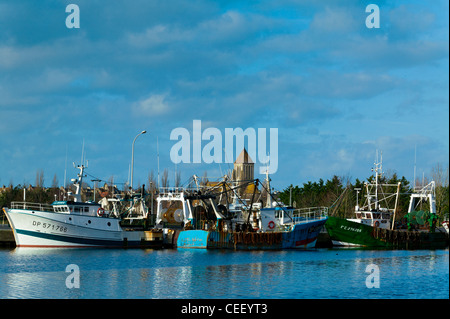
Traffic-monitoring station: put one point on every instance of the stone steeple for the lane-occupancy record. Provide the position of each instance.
(243, 167)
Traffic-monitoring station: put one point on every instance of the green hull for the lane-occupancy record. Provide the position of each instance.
(353, 233)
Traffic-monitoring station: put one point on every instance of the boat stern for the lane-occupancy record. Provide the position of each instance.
(193, 239)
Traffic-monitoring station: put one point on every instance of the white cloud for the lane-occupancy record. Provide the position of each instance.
(152, 106)
(334, 21)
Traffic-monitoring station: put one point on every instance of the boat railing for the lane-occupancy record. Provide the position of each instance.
(179, 192)
(32, 206)
(301, 215)
(171, 190)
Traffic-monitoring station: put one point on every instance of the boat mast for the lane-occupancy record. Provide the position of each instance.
(77, 183)
(269, 197)
(378, 172)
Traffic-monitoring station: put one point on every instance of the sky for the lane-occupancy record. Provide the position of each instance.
(336, 90)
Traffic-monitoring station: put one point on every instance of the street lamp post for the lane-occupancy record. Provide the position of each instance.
(132, 159)
(95, 183)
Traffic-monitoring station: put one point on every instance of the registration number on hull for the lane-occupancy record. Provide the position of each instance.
(49, 226)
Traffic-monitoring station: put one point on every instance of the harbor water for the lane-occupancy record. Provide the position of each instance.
(211, 274)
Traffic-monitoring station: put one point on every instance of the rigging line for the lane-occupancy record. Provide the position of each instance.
(104, 180)
(339, 197)
(234, 188)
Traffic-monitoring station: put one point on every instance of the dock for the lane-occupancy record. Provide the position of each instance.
(418, 239)
(6, 236)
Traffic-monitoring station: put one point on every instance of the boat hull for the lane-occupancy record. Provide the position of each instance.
(56, 230)
(302, 236)
(347, 233)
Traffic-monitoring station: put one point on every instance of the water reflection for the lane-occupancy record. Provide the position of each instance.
(36, 273)
(222, 281)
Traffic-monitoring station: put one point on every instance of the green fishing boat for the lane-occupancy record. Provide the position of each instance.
(359, 231)
(344, 232)
(373, 225)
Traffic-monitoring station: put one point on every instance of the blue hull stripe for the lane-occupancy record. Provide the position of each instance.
(73, 240)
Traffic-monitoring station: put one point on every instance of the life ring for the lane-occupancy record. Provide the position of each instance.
(271, 225)
(377, 224)
(100, 212)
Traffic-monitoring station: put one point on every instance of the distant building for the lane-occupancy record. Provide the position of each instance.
(243, 168)
(5, 189)
(244, 173)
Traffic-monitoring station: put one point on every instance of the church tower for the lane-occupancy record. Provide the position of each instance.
(243, 167)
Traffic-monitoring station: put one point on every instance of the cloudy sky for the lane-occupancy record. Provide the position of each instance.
(336, 90)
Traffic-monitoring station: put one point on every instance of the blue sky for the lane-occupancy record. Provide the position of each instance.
(336, 90)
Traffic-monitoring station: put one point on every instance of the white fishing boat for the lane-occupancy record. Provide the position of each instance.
(74, 223)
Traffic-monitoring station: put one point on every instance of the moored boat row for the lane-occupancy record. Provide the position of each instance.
(197, 217)
(198, 223)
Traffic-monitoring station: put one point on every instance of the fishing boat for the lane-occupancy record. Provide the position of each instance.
(191, 218)
(358, 231)
(373, 225)
(73, 223)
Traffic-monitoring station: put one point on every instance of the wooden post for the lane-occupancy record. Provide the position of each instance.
(396, 205)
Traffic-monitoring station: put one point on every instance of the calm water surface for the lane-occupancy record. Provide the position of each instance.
(193, 274)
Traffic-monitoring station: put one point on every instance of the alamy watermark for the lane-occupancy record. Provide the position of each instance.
(217, 146)
(73, 279)
(73, 19)
(373, 19)
(373, 280)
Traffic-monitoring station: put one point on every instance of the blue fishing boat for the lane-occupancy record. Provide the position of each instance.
(192, 219)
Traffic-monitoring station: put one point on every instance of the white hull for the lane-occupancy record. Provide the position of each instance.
(445, 225)
(50, 229)
(344, 244)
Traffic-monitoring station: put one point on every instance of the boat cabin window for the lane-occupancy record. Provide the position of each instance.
(278, 213)
(61, 209)
(358, 215)
(80, 209)
(376, 215)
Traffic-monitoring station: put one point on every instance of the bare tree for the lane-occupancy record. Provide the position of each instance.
(178, 179)
(111, 185)
(55, 182)
(165, 178)
(151, 181)
(39, 178)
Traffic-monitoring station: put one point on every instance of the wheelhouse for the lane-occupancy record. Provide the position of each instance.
(70, 207)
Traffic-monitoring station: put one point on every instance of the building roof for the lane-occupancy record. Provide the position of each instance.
(244, 158)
